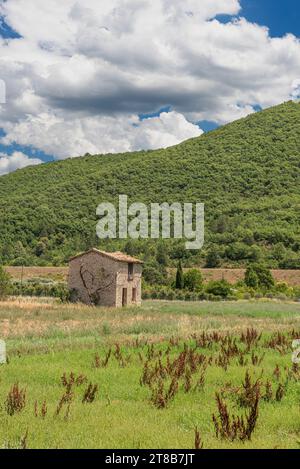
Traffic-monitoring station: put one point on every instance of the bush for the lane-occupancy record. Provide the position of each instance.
(281, 297)
(193, 280)
(194, 296)
(258, 276)
(171, 295)
(202, 296)
(219, 288)
(232, 298)
(188, 296)
(216, 298)
(146, 295)
(180, 295)
(296, 293)
(162, 295)
(247, 296)
(56, 290)
(213, 260)
(5, 283)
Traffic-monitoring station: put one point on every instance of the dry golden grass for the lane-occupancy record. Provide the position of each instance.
(28, 317)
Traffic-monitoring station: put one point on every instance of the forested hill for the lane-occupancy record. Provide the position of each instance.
(247, 173)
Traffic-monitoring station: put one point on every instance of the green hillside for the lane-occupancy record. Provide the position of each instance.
(247, 173)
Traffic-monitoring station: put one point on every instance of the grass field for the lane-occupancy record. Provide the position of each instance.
(202, 348)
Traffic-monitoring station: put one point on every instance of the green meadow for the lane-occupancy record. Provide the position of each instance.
(147, 377)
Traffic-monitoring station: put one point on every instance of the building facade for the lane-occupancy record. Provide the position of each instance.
(105, 278)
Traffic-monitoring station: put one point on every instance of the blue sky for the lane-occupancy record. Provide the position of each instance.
(281, 17)
(6, 31)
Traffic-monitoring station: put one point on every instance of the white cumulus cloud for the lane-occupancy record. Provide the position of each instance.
(83, 71)
(15, 161)
(66, 138)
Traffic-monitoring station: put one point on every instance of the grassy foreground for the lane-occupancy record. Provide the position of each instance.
(150, 347)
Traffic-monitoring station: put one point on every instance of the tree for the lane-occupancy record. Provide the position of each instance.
(193, 280)
(4, 283)
(161, 255)
(251, 278)
(212, 260)
(179, 283)
(154, 274)
(41, 246)
(19, 249)
(221, 224)
(259, 276)
(131, 248)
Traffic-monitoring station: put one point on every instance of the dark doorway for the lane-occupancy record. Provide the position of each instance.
(134, 295)
(130, 271)
(124, 297)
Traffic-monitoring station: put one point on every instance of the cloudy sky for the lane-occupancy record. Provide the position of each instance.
(106, 76)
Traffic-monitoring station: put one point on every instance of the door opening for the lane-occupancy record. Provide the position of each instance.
(124, 297)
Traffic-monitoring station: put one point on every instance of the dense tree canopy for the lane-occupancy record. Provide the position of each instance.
(247, 173)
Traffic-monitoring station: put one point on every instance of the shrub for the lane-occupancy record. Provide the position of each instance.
(193, 280)
(247, 296)
(232, 298)
(146, 295)
(213, 260)
(171, 295)
(258, 276)
(258, 295)
(5, 283)
(180, 295)
(202, 296)
(281, 297)
(162, 295)
(219, 288)
(194, 296)
(188, 296)
(251, 278)
(216, 298)
(56, 290)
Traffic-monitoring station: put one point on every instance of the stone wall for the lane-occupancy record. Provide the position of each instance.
(123, 282)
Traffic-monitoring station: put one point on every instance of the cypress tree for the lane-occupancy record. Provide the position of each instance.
(179, 284)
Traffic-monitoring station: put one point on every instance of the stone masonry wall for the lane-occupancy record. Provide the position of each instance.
(98, 279)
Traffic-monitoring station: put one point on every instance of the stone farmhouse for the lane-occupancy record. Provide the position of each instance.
(105, 278)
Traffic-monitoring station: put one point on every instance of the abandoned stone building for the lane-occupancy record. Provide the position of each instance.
(105, 278)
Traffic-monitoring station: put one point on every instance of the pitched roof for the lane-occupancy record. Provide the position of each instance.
(116, 256)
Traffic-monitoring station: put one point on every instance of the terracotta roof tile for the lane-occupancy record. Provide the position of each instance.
(117, 256)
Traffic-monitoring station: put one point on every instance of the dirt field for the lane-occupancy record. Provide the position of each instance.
(292, 277)
(56, 273)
